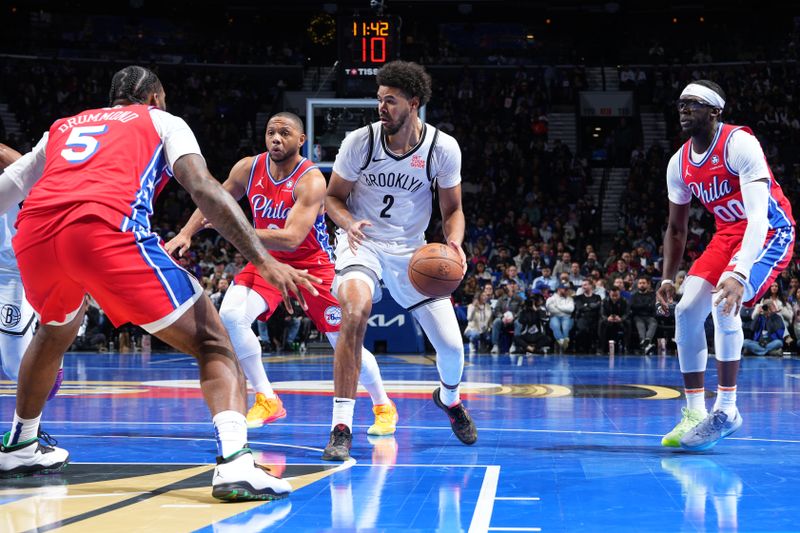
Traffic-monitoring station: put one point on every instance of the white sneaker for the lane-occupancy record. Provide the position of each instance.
(239, 478)
(512, 349)
(495, 350)
(30, 457)
(472, 349)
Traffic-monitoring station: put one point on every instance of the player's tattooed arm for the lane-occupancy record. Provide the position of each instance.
(236, 185)
(222, 210)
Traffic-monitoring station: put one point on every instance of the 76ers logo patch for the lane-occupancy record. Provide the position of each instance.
(10, 315)
(333, 315)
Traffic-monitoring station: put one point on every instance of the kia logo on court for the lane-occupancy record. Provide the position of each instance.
(380, 321)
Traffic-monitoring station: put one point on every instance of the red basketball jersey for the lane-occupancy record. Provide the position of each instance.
(716, 185)
(271, 201)
(106, 162)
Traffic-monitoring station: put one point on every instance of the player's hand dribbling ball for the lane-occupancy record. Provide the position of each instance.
(435, 270)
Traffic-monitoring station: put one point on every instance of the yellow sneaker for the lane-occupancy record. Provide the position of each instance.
(264, 411)
(385, 419)
(689, 419)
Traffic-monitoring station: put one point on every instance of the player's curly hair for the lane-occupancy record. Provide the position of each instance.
(133, 84)
(409, 77)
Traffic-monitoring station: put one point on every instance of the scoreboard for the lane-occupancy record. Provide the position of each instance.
(366, 43)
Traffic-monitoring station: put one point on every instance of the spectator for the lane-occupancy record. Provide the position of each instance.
(509, 302)
(560, 307)
(479, 320)
(575, 276)
(767, 331)
(587, 317)
(530, 336)
(232, 269)
(564, 264)
(219, 294)
(781, 308)
(614, 318)
(643, 313)
(546, 279)
(512, 274)
(619, 283)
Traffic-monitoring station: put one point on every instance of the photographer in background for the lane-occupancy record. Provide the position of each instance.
(768, 330)
(531, 337)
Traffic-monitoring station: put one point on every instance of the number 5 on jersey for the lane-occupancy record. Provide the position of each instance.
(84, 138)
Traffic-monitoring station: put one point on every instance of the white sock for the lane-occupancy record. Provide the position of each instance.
(343, 412)
(370, 373)
(726, 400)
(449, 397)
(253, 368)
(230, 428)
(696, 399)
(23, 429)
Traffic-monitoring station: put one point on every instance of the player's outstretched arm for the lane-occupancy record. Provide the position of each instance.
(309, 200)
(236, 184)
(222, 210)
(453, 221)
(674, 245)
(336, 205)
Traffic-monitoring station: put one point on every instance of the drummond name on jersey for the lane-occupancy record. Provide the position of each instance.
(392, 179)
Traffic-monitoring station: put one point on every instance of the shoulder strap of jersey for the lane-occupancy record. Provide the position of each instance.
(370, 147)
(428, 171)
(252, 172)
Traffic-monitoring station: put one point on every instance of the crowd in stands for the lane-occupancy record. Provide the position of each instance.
(541, 275)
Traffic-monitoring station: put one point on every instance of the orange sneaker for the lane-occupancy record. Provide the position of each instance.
(385, 419)
(264, 411)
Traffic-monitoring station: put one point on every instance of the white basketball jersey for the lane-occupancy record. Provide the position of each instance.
(7, 260)
(395, 192)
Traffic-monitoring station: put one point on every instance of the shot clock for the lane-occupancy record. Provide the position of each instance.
(367, 43)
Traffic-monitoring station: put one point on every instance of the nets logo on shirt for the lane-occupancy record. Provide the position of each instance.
(714, 159)
(10, 315)
(333, 315)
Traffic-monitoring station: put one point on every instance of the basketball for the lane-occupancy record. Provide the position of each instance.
(435, 270)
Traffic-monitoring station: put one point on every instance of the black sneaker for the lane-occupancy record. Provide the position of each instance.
(338, 448)
(463, 426)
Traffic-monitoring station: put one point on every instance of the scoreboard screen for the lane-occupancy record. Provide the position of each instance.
(367, 43)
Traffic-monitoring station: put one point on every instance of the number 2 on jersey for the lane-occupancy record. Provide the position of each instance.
(389, 201)
(82, 137)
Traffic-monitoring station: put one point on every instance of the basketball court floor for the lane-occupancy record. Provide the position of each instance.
(565, 444)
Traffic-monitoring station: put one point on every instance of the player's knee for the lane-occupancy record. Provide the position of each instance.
(355, 314)
(231, 316)
(726, 323)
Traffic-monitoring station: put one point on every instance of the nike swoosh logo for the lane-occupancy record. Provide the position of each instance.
(378, 160)
(340, 401)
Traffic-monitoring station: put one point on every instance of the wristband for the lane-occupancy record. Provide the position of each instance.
(738, 277)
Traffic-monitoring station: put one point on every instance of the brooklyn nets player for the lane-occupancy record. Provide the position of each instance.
(380, 196)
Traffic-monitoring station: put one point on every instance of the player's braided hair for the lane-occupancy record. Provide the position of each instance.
(409, 77)
(133, 84)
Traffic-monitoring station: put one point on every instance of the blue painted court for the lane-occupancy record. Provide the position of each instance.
(564, 444)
